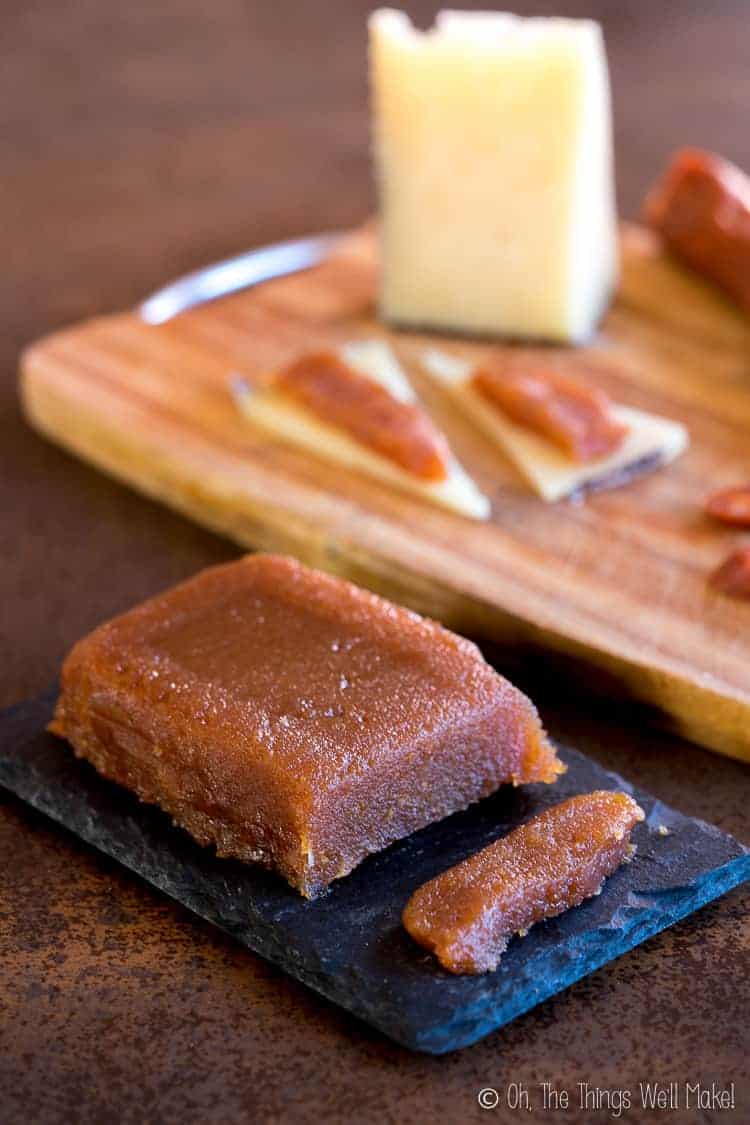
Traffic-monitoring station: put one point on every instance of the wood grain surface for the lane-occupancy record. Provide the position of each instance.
(140, 141)
(618, 582)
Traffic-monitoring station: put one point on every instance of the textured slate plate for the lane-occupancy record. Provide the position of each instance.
(349, 945)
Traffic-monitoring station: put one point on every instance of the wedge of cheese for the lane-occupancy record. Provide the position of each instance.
(494, 164)
(279, 416)
(651, 441)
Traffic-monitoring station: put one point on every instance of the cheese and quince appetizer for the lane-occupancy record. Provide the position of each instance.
(564, 435)
(355, 407)
(493, 156)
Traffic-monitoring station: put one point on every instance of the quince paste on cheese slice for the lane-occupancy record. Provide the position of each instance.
(354, 406)
(616, 443)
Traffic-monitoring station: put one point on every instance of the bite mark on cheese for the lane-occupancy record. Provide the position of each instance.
(650, 441)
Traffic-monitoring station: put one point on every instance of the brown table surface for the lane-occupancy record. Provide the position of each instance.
(142, 140)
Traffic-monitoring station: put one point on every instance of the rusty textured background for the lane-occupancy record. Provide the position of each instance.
(139, 141)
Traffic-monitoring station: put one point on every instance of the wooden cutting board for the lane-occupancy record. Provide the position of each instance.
(618, 583)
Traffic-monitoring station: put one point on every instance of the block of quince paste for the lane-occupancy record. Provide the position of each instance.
(293, 719)
(563, 434)
(493, 156)
(466, 915)
(355, 407)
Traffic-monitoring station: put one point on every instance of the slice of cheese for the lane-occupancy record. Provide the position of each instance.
(279, 416)
(494, 164)
(651, 441)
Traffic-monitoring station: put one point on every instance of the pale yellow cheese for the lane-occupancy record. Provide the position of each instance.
(494, 165)
(650, 442)
(277, 415)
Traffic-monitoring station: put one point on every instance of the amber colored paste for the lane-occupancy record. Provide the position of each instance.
(701, 208)
(341, 396)
(733, 576)
(731, 505)
(572, 416)
(293, 719)
(553, 862)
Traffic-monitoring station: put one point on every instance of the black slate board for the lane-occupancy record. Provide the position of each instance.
(349, 945)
